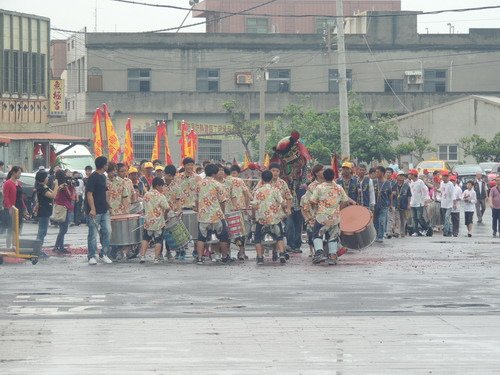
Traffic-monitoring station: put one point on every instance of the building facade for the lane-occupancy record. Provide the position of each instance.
(391, 70)
(24, 47)
(260, 19)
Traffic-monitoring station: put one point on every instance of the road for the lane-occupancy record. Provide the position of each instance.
(413, 305)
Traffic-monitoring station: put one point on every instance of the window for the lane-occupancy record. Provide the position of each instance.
(34, 73)
(395, 84)
(435, 80)
(6, 71)
(15, 72)
(207, 80)
(257, 25)
(333, 80)
(139, 80)
(448, 152)
(94, 80)
(209, 149)
(278, 80)
(322, 24)
(25, 73)
(43, 73)
(143, 144)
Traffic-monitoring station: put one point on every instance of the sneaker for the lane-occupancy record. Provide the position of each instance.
(142, 259)
(494, 234)
(379, 240)
(227, 259)
(469, 235)
(157, 261)
(319, 257)
(106, 260)
(429, 233)
(332, 261)
(43, 255)
(169, 255)
(242, 256)
(199, 260)
(282, 259)
(260, 261)
(92, 261)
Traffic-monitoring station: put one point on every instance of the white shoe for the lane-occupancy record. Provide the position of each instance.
(106, 260)
(92, 261)
(143, 259)
(157, 261)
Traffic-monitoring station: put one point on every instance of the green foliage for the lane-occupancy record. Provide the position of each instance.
(418, 146)
(481, 149)
(320, 132)
(245, 130)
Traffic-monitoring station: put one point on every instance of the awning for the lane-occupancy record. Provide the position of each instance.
(7, 138)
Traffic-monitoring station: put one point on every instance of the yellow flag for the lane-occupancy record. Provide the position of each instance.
(128, 152)
(267, 161)
(97, 133)
(246, 161)
(113, 142)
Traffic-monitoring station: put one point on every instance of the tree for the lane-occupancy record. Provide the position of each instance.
(320, 132)
(481, 149)
(421, 144)
(245, 130)
(404, 149)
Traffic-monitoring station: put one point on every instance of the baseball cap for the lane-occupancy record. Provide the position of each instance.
(453, 177)
(148, 164)
(413, 172)
(347, 164)
(426, 171)
(445, 173)
(401, 173)
(133, 170)
(159, 168)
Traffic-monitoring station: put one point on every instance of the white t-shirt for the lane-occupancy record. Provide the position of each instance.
(419, 193)
(470, 204)
(457, 197)
(447, 194)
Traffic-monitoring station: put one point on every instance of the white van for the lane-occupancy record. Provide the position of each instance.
(75, 159)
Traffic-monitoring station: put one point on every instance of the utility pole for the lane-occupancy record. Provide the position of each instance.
(262, 116)
(344, 106)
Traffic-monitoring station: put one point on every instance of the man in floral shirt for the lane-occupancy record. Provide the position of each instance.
(268, 210)
(239, 200)
(155, 209)
(188, 180)
(328, 198)
(308, 211)
(280, 185)
(117, 192)
(210, 199)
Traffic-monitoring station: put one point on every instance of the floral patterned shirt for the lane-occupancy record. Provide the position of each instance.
(172, 193)
(305, 201)
(187, 185)
(155, 205)
(210, 194)
(283, 189)
(237, 193)
(117, 195)
(328, 196)
(268, 202)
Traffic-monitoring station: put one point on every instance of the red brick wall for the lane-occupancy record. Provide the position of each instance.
(236, 24)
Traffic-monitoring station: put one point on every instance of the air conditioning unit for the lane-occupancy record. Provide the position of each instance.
(414, 77)
(245, 78)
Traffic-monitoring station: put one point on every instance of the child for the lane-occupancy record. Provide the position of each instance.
(155, 208)
(470, 199)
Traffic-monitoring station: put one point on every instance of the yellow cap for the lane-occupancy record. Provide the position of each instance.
(133, 170)
(346, 164)
(148, 164)
(159, 168)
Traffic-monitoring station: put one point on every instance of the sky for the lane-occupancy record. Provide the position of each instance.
(113, 16)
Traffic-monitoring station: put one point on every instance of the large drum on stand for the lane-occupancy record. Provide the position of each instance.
(356, 227)
(190, 220)
(236, 224)
(176, 234)
(126, 230)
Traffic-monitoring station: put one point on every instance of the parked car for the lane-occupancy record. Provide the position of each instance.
(466, 172)
(489, 166)
(29, 192)
(433, 165)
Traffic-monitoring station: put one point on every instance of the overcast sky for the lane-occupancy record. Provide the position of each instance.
(113, 16)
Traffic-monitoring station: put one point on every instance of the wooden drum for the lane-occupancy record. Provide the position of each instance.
(356, 227)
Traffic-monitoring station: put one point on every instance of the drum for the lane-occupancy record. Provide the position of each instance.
(176, 234)
(356, 227)
(136, 208)
(190, 220)
(235, 224)
(126, 230)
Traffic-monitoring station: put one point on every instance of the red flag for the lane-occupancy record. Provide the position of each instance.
(156, 146)
(193, 144)
(97, 133)
(335, 166)
(183, 141)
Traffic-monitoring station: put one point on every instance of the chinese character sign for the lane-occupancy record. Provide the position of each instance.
(56, 97)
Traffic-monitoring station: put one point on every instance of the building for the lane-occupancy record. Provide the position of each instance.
(57, 58)
(290, 19)
(391, 68)
(445, 124)
(24, 46)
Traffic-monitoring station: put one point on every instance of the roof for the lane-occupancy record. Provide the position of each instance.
(486, 99)
(53, 137)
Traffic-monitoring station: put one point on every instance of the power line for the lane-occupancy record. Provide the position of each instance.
(245, 13)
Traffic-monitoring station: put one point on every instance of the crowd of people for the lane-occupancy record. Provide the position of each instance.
(402, 203)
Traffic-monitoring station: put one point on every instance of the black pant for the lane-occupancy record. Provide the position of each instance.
(294, 224)
(78, 211)
(455, 222)
(495, 212)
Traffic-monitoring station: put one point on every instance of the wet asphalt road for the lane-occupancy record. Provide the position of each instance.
(380, 310)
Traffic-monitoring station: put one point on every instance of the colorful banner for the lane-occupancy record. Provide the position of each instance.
(56, 92)
(168, 155)
(97, 133)
(128, 152)
(218, 131)
(113, 142)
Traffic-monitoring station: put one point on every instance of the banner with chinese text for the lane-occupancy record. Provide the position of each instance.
(56, 97)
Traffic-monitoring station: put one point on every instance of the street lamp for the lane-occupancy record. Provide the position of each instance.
(262, 109)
